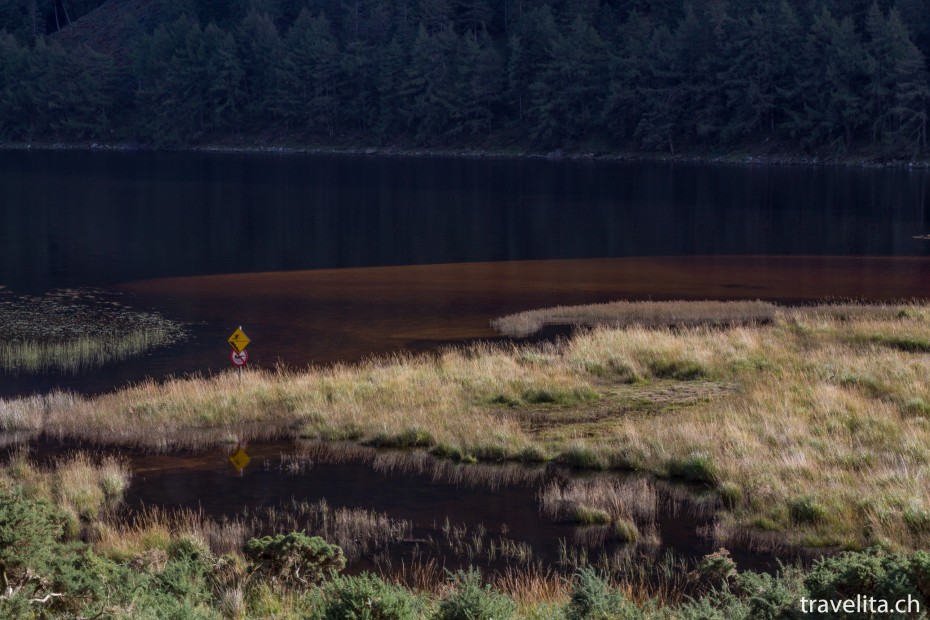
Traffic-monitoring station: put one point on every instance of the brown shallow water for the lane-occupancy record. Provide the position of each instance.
(346, 314)
(343, 315)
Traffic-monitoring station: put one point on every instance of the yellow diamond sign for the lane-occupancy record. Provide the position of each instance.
(239, 459)
(239, 340)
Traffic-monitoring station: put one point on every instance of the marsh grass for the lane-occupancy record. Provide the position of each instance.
(80, 354)
(72, 331)
(814, 403)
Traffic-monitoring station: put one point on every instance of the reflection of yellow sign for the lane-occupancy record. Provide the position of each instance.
(239, 340)
(239, 459)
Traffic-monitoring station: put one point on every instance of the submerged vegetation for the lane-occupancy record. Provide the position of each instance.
(809, 430)
(181, 565)
(72, 331)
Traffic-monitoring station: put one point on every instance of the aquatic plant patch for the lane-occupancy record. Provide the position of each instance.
(72, 331)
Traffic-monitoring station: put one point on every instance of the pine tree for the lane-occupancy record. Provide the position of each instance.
(531, 51)
(430, 87)
(911, 92)
(628, 69)
(393, 108)
(481, 84)
(259, 50)
(16, 84)
(829, 86)
(760, 57)
(474, 15)
(434, 15)
(309, 75)
(659, 126)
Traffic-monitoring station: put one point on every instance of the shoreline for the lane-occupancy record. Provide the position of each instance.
(741, 159)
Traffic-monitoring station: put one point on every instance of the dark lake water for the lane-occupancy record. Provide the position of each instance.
(72, 218)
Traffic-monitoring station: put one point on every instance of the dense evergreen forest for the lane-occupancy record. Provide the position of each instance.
(807, 76)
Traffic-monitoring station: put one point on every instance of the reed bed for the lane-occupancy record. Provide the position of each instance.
(73, 331)
(812, 429)
(80, 354)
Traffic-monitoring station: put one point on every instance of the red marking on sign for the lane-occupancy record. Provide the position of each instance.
(239, 358)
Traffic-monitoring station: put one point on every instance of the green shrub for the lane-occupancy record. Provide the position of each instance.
(34, 562)
(875, 573)
(593, 599)
(472, 600)
(189, 546)
(366, 597)
(294, 558)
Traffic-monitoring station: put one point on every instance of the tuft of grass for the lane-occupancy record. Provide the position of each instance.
(694, 468)
(806, 510)
(586, 515)
(626, 530)
(683, 370)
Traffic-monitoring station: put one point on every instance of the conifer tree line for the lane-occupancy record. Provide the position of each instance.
(813, 76)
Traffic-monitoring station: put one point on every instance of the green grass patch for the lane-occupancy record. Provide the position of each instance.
(591, 516)
(682, 370)
(694, 468)
(909, 344)
(626, 530)
(408, 438)
(582, 457)
(806, 511)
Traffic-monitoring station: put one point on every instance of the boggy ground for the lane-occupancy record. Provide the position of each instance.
(813, 429)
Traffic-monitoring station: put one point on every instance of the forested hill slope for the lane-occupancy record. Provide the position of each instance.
(829, 77)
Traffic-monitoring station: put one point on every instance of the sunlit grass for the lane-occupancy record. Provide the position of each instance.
(80, 354)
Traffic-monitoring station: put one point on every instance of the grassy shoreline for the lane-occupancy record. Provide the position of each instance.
(813, 429)
(297, 148)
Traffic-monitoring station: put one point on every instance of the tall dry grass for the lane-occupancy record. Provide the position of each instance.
(84, 487)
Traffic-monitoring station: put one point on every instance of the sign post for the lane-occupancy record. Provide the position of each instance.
(238, 356)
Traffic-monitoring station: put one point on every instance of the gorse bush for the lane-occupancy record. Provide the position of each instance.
(366, 597)
(593, 599)
(472, 600)
(294, 558)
